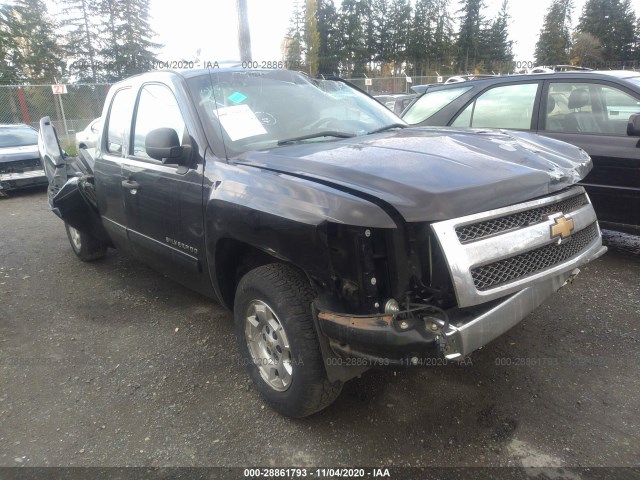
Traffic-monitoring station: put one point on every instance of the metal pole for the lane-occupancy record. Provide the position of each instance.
(244, 35)
(64, 120)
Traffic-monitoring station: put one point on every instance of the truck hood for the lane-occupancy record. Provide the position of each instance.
(431, 174)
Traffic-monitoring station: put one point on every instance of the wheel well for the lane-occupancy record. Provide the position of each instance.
(233, 260)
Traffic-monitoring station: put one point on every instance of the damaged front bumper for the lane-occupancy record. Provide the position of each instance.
(30, 178)
(385, 340)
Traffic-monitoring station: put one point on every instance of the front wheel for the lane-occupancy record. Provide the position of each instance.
(86, 247)
(278, 340)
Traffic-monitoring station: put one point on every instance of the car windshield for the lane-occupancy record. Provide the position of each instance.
(431, 103)
(17, 137)
(261, 109)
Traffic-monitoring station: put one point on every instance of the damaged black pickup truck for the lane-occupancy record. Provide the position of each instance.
(340, 238)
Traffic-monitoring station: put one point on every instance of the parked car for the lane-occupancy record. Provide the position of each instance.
(586, 108)
(20, 165)
(341, 239)
(87, 138)
(401, 102)
(396, 102)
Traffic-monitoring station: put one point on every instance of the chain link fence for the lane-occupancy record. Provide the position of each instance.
(70, 112)
(392, 85)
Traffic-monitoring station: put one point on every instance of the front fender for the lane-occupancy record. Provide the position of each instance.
(280, 215)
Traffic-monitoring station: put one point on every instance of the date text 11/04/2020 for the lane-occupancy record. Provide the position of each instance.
(316, 472)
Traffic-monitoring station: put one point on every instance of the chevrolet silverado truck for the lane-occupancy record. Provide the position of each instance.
(341, 239)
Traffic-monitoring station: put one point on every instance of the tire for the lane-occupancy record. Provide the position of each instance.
(86, 247)
(272, 310)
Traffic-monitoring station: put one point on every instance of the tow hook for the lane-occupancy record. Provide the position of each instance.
(442, 344)
(573, 275)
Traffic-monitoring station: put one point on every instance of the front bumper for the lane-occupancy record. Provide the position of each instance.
(383, 340)
(31, 178)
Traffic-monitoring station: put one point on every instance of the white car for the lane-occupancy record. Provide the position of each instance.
(20, 165)
(87, 138)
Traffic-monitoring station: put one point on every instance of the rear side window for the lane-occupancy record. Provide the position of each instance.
(431, 103)
(589, 108)
(119, 120)
(508, 106)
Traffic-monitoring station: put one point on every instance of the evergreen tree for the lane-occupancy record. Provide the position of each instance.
(293, 40)
(398, 31)
(329, 51)
(636, 43)
(311, 37)
(554, 42)
(351, 31)
(469, 36)
(443, 37)
(81, 42)
(33, 33)
(135, 32)
(498, 49)
(126, 35)
(612, 22)
(421, 35)
(110, 50)
(379, 36)
(10, 56)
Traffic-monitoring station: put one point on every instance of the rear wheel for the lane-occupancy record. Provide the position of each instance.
(86, 247)
(278, 340)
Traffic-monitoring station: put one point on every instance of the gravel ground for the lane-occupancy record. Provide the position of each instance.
(112, 364)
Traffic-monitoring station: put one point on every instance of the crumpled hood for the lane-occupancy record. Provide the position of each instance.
(431, 174)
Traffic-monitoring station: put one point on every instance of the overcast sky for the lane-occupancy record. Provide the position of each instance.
(187, 25)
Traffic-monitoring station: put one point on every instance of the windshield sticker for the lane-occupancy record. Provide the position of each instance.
(237, 97)
(239, 122)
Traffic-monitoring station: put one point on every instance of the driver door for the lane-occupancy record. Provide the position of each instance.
(163, 198)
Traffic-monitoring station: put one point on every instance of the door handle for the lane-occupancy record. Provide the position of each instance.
(130, 184)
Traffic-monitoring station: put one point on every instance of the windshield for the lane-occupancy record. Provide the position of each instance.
(17, 137)
(259, 109)
(431, 103)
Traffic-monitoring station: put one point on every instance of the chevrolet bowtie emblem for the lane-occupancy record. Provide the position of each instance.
(562, 228)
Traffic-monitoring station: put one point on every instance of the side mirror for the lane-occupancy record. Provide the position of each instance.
(163, 144)
(633, 127)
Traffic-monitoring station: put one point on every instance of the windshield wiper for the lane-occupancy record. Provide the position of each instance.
(388, 127)
(328, 133)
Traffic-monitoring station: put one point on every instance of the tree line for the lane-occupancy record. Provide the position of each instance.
(607, 33)
(422, 37)
(89, 41)
(394, 37)
(107, 40)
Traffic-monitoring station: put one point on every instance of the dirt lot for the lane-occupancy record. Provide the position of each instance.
(111, 364)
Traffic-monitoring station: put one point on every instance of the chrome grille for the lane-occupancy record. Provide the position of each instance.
(478, 231)
(509, 269)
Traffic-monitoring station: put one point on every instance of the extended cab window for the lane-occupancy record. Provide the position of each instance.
(119, 120)
(431, 103)
(508, 106)
(157, 108)
(588, 108)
